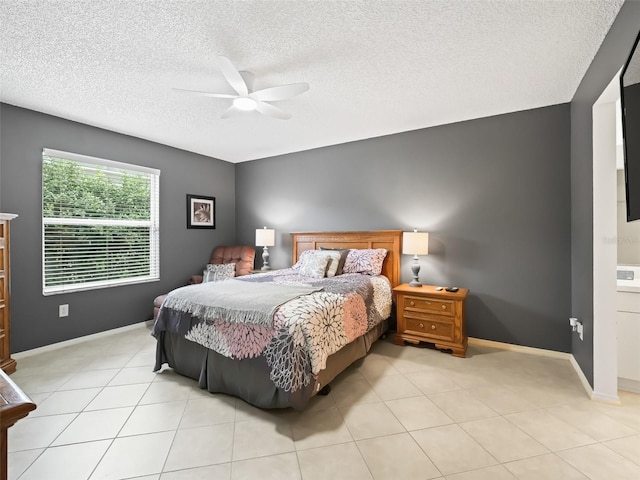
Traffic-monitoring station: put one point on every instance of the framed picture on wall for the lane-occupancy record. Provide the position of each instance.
(201, 211)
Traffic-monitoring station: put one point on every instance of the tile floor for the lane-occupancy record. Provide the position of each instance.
(403, 412)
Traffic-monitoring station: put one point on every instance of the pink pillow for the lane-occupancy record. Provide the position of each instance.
(368, 261)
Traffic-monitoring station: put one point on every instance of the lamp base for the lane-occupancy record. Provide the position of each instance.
(415, 268)
(265, 259)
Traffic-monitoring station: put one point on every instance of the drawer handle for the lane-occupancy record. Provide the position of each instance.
(421, 325)
(433, 327)
(444, 307)
(412, 303)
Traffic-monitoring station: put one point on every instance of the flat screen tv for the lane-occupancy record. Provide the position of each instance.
(630, 102)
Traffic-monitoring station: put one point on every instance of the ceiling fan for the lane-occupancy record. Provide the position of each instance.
(245, 99)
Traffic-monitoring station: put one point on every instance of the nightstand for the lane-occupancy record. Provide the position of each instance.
(425, 314)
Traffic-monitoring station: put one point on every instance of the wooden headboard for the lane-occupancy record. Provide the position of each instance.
(388, 239)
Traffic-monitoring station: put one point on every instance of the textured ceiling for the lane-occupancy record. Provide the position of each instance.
(375, 67)
(632, 73)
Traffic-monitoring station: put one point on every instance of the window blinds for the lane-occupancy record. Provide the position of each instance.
(100, 222)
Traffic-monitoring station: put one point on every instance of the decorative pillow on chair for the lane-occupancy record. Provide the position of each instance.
(215, 273)
(368, 261)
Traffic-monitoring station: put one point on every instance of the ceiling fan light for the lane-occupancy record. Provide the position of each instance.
(245, 103)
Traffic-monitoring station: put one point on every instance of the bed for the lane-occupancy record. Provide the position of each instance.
(283, 358)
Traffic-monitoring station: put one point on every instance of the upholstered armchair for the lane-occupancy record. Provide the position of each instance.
(243, 256)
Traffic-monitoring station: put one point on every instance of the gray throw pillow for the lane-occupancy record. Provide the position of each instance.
(217, 272)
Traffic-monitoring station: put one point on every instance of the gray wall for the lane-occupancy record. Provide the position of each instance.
(493, 193)
(183, 251)
(608, 61)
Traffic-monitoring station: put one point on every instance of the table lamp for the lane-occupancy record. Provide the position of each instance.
(415, 243)
(265, 237)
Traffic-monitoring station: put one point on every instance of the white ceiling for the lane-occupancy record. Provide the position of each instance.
(375, 67)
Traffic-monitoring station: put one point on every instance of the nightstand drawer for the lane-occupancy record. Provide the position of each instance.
(431, 328)
(432, 305)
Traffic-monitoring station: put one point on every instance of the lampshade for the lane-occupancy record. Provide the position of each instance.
(415, 243)
(265, 237)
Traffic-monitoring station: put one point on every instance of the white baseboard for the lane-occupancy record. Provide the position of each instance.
(519, 348)
(606, 398)
(613, 399)
(629, 385)
(75, 341)
(583, 379)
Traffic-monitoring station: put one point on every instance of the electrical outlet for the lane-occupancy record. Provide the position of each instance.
(580, 330)
(63, 310)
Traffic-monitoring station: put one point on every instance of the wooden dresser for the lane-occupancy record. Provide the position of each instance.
(14, 405)
(425, 314)
(6, 362)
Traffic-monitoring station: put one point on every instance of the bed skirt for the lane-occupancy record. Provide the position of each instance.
(248, 378)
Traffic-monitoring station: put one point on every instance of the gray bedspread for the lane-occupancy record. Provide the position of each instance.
(235, 301)
(304, 331)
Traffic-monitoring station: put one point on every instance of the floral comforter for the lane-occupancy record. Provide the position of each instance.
(304, 332)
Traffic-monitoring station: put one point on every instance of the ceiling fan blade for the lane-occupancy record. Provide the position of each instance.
(232, 75)
(206, 94)
(230, 112)
(272, 111)
(281, 92)
(248, 79)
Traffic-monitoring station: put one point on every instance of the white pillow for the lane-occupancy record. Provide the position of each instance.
(334, 261)
(217, 272)
(312, 265)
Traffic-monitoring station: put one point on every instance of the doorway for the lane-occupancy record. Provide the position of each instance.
(605, 329)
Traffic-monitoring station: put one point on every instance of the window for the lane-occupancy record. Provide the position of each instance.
(99, 223)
